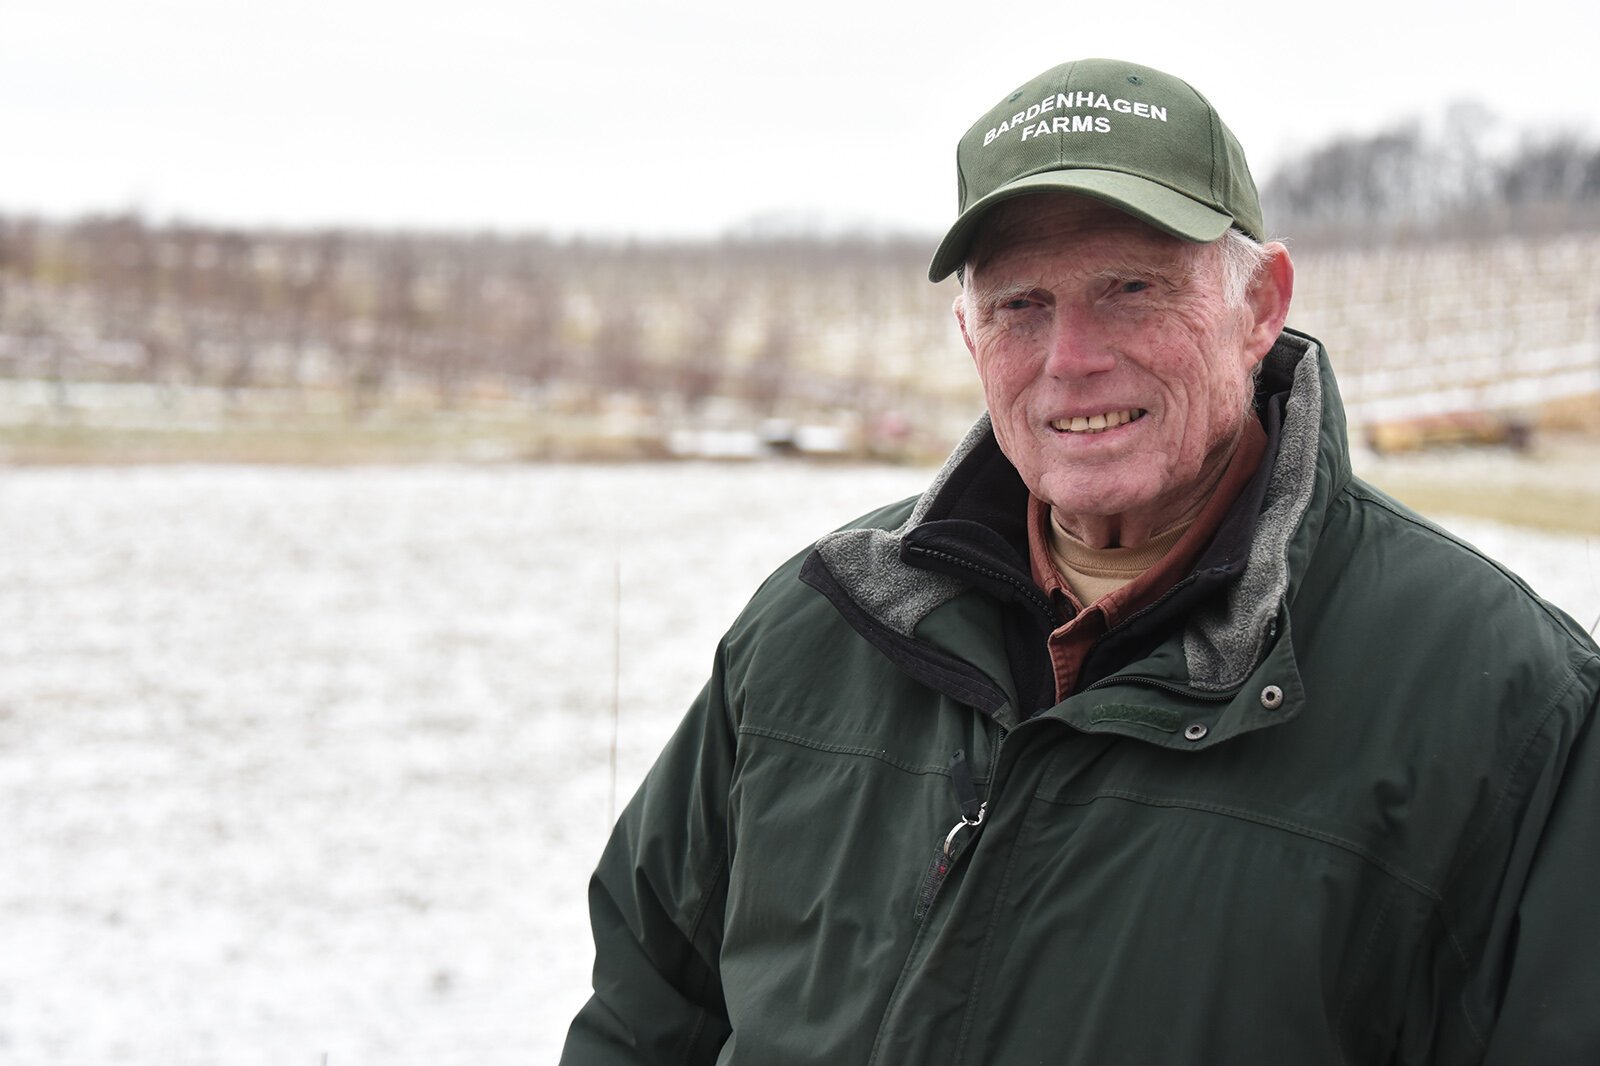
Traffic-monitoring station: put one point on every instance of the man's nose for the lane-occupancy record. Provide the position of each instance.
(1078, 348)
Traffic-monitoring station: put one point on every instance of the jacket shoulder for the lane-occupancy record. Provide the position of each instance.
(1417, 553)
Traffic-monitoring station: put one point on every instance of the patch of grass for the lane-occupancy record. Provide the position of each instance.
(1570, 509)
(68, 444)
(312, 442)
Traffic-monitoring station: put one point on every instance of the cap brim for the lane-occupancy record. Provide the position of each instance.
(1156, 204)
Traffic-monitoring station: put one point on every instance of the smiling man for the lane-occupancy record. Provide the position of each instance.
(1148, 734)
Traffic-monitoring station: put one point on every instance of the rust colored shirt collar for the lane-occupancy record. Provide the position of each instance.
(1070, 644)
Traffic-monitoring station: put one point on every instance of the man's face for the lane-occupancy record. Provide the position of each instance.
(1116, 374)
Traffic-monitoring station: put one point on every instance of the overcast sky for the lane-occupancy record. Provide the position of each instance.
(619, 116)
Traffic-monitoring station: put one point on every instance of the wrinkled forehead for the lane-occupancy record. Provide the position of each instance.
(1070, 226)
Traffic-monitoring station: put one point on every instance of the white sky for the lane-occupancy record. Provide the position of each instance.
(620, 116)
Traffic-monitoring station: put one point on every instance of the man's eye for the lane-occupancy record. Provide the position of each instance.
(1016, 303)
(1133, 286)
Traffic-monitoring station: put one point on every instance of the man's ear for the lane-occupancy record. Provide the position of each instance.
(1267, 302)
(960, 309)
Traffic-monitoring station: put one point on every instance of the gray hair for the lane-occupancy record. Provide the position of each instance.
(1241, 259)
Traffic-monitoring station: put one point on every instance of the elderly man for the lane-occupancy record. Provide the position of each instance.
(1148, 734)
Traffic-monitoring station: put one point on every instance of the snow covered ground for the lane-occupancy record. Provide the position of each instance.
(299, 763)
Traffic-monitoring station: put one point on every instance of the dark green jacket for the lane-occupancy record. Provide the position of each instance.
(1334, 799)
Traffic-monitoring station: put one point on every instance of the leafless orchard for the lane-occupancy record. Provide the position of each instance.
(1440, 276)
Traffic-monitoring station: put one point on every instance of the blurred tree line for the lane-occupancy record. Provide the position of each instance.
(1461, 175)
(763, 321)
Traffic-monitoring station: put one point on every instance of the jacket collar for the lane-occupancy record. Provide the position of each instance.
(966, 533)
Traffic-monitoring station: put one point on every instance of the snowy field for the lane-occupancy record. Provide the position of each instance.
(306, 765)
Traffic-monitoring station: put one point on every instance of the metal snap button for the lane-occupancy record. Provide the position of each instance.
(1195, 732)
(1272, 697)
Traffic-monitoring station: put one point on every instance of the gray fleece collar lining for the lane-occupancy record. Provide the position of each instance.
(1224, 640)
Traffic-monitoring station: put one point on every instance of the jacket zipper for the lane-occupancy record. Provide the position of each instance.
(1027, 590)
(973, 811)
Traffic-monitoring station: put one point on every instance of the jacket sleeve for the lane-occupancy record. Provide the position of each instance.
(656, 905)
(1525, 938)
(1542, 981)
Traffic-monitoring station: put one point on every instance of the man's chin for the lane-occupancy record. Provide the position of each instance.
(1099, 497)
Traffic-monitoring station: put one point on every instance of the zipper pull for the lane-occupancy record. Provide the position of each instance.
(945, 856)
(972, 810)
(959, 826)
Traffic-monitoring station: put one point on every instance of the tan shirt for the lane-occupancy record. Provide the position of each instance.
(1093, 573)
(1117, 582)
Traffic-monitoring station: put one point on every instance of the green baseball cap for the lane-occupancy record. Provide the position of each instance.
(1136, 138)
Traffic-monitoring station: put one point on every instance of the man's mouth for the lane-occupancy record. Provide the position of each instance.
(1097, 423)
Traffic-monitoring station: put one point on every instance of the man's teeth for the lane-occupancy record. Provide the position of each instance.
(1096, 423)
